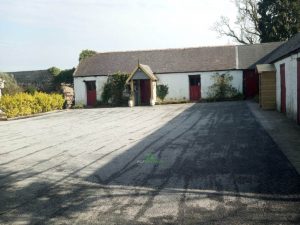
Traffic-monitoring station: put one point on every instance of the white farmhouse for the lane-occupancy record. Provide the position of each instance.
(187, 72)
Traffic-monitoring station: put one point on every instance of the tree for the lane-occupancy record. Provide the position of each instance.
(86, 53)
(54, 70)
(10, 86)
(246, 29)
(65, 76)
(280, 19)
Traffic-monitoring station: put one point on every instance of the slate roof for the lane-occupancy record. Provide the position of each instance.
(284, 50)
(249, 54)
(175, 60)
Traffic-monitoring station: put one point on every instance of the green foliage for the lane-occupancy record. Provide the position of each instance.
(65, 76)
(61, 76)
(86, 53)
(107, 93)
(279, 20)
(31, 90)
(114, 88)
(221, 89)
(54, 71)
(10, 86)
(162, 91)
(78, 106)
(23, 104)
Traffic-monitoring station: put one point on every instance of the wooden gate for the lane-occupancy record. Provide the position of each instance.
(195, 87)
(283, 88)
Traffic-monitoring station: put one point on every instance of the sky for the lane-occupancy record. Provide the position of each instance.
(39, 34)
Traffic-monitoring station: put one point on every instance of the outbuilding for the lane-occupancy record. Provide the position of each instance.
(286, 61)
(187, 72)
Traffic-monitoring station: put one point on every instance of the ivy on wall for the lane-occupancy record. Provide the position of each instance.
(114, 88)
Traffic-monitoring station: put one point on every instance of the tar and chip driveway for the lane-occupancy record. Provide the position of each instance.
(176, 164)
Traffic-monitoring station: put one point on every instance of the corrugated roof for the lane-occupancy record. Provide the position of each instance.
(175, 60)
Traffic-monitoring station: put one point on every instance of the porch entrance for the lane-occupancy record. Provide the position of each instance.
(142, 91)
(142, 86)
(195, 87)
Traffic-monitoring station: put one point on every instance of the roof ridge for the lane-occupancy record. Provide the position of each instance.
(164, 49)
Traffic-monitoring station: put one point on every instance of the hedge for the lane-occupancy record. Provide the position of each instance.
(23, 104)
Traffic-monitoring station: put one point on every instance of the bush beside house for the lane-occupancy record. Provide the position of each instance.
(23, 104)
(222, 89)
(113, 90)
(162, 91)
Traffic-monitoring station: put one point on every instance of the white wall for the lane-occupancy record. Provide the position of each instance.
(179, 83)
(80, 88)
(290, 84)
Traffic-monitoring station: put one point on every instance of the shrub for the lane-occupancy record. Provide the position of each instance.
(107, 93)
(113, 90)
(10, 86)
(31, 90)
(54, 71)
(78, 106)
(23, 104)
(86, 53)
(222, 89)
(162, 91)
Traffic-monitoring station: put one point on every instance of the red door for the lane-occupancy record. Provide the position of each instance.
(251, 81)
(145, 92)
(298, 90)
(195, 88)
(91, 93)
(283, 89)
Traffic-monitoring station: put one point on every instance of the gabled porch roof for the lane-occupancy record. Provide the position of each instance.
(146, 69)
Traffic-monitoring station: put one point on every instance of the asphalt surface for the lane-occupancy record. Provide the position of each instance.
(209, 163)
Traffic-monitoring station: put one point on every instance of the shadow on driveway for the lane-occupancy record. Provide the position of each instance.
(212, 164)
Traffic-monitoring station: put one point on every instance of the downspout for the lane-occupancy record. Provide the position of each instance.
(236, 57)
